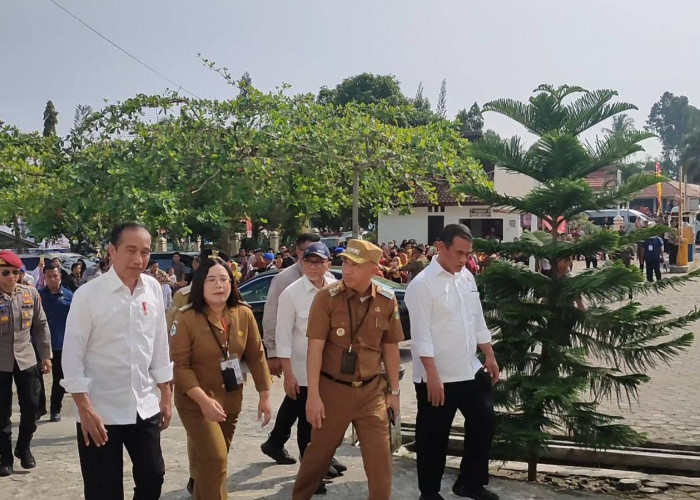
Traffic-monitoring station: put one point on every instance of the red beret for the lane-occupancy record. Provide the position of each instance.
(11, 259)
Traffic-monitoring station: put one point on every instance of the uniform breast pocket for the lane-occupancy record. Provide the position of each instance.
(340, 330)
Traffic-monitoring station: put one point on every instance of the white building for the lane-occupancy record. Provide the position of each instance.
(426, 220)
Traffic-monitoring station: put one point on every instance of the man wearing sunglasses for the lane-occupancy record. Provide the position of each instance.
(21, 320)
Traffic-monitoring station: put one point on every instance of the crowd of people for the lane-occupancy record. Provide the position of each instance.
(123, 360)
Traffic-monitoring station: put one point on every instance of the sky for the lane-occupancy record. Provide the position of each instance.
(485, 50)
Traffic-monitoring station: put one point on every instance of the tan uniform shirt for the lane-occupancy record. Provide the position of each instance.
(329, 320)
(22, 319)
(197, 357)
(180, 298)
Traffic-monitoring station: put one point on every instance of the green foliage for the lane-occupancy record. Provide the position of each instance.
(561, 361)
(50, 119)
(673, 118)
(470, 121)
(201, 167)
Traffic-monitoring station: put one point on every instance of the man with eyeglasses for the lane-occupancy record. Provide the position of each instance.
(21, 320)
(290, 337)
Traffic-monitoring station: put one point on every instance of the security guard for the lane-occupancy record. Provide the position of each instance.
(353, 326)
(209, 338)
(21, 320)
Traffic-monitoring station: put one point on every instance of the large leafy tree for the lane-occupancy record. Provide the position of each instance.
(672, 118)
(559, 360)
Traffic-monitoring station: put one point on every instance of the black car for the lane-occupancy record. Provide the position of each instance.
(254, 292)
(165, 260)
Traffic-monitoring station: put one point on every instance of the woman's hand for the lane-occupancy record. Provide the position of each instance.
(212, 410)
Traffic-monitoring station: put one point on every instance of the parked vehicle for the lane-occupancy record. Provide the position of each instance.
(31, 260)
(165, 260)
(629, 218)
(254, 292)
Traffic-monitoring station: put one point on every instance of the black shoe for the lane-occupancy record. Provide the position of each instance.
(40, 413)
(475, 492)
(332, 473)
(431, 496)
(279, 455)
(6, 470)
(338, 466)
(26, 458)
(190, 486)
(321, 490)
(55, 416)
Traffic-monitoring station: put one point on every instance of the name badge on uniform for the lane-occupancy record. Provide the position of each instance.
(651, 248)
(348, 362)
(235, 365)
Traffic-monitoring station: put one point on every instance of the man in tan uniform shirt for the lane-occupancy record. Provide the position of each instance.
(353, 326)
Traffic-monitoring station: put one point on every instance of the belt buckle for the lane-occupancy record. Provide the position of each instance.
(357, 383)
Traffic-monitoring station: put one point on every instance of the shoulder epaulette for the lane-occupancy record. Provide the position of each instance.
(185, 290)
(336, 289)
(185, 307)
(244, 303)
(385, 292)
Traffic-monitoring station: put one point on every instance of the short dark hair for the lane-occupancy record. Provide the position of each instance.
(116, 234)
(75, 264)
(452, 231)
(49, 267)
(310, 237)
(197, 291)
(176, 253)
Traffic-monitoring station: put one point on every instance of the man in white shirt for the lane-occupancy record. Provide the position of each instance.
(292, 343)
(447, 326)
(274, 447)
(115, 353)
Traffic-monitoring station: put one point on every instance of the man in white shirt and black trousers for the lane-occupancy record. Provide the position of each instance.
(447, 327)
(115, 359)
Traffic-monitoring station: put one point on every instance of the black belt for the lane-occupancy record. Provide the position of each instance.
(356, 383)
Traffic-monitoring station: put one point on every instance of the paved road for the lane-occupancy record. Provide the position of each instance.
(251, 474)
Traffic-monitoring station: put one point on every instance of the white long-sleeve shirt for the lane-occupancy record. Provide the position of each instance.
(447, 323)
(292, 319)
(116, 347)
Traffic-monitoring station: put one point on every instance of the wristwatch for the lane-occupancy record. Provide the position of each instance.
(395, 393)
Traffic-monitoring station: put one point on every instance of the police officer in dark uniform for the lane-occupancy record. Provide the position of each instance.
(353, 326)
(21, 320)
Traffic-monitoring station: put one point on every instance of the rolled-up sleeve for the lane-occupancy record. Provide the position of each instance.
(161, 368)
(78, 327)
(419, 304)
(286, 317)
(481, 330)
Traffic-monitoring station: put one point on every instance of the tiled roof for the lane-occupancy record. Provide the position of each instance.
(669, 189)
(444, 197)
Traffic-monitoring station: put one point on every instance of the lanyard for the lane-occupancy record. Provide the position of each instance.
(224, 348)
(353, 328)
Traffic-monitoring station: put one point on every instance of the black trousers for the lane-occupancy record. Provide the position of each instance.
(474, 400)
(591, 261)
(28, 395)
(292, 410)
(57, 391)
(672, 254)
(102, 467)
(653, 267)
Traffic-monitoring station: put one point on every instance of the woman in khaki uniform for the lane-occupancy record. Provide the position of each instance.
(209, 338)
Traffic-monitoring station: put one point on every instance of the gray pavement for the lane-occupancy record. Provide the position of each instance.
(251, 474)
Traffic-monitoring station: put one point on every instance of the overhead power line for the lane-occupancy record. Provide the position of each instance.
(115, 45)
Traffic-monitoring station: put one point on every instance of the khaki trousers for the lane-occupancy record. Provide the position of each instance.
(208, 444)
(365, 407)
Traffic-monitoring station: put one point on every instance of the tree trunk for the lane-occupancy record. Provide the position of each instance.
(532, 469)
(355, 202)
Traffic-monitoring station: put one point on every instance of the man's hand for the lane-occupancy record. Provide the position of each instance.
(436, 390)
(212, 410)
(92, 426)
(291, 386)
(315, 412)
(46, 366)
(491, 367)
(393, 403)
(264, 408)
(166, 413)
(275, 366)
